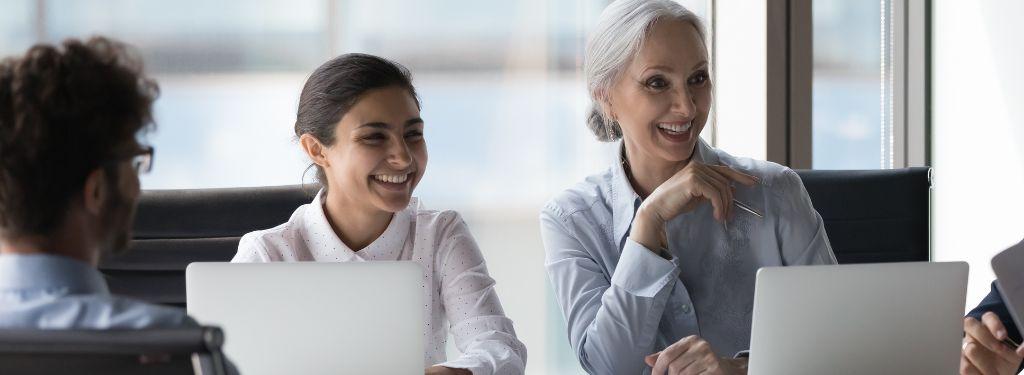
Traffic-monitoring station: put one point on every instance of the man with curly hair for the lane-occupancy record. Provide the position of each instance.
(70, 120)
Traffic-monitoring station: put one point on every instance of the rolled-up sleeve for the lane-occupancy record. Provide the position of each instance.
(482, 332)
(613, 321)
(801, 231)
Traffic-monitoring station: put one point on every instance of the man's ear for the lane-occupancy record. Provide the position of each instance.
(95, 192)
(314, 149)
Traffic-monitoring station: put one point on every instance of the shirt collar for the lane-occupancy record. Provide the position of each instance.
(386, 247)
(46, 271)
(625, 200)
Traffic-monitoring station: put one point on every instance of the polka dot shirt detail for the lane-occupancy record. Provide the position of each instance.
(460, 296)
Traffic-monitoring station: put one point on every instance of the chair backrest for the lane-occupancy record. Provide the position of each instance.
(176, 227)
(194, 350)
(870, 216)
(873, 216)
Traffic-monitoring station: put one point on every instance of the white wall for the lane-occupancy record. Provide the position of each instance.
(740, 90)
(978, 133)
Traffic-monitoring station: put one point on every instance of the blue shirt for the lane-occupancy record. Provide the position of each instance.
(623, 302)
(41, 291)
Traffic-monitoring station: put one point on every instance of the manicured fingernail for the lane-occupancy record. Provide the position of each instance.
(1001, 334)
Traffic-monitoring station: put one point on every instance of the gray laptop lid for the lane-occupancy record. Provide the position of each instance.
(892, 318)
(1008, 266)
(313, 318)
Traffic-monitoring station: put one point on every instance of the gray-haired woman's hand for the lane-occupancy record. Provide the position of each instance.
(684, 191)
(693, 355)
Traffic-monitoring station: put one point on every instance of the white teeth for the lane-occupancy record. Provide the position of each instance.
(675, 128)
(392, 178)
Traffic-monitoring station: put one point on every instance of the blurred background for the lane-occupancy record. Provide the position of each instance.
(504, 103)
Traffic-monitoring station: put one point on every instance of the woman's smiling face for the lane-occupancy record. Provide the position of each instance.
(379, 154)
(662, 99)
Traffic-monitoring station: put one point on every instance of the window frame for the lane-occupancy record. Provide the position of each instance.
(789, 75)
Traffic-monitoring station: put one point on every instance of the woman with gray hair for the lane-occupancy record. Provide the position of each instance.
(651, 261)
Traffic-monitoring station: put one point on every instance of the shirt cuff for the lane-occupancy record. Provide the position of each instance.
(642, 272)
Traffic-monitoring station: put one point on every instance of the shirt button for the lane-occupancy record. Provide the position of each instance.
(686, 309)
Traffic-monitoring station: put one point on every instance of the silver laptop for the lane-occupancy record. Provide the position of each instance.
(892, 318)
(313, 318)
(1008, 266)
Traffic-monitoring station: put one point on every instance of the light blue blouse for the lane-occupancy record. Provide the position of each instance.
(623, 302)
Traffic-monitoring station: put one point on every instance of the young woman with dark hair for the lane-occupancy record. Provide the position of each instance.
(359, 122)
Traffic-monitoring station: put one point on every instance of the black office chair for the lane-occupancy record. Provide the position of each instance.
(176, 227)
(146, 351)
(873, 216)
(870, 216)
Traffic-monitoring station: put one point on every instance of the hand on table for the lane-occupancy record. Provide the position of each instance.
(984, 352)
(693, 355)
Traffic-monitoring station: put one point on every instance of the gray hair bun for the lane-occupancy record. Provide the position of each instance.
(605, 130)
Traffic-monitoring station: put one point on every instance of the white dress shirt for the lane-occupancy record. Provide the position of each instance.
(460, 294)
(623, 302)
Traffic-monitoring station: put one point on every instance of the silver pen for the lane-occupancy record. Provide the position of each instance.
(1012, 344)
(745, 207)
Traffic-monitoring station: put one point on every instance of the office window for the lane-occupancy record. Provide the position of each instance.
(229, 73)
(17, 29)
(503, 98)
(852, 84)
